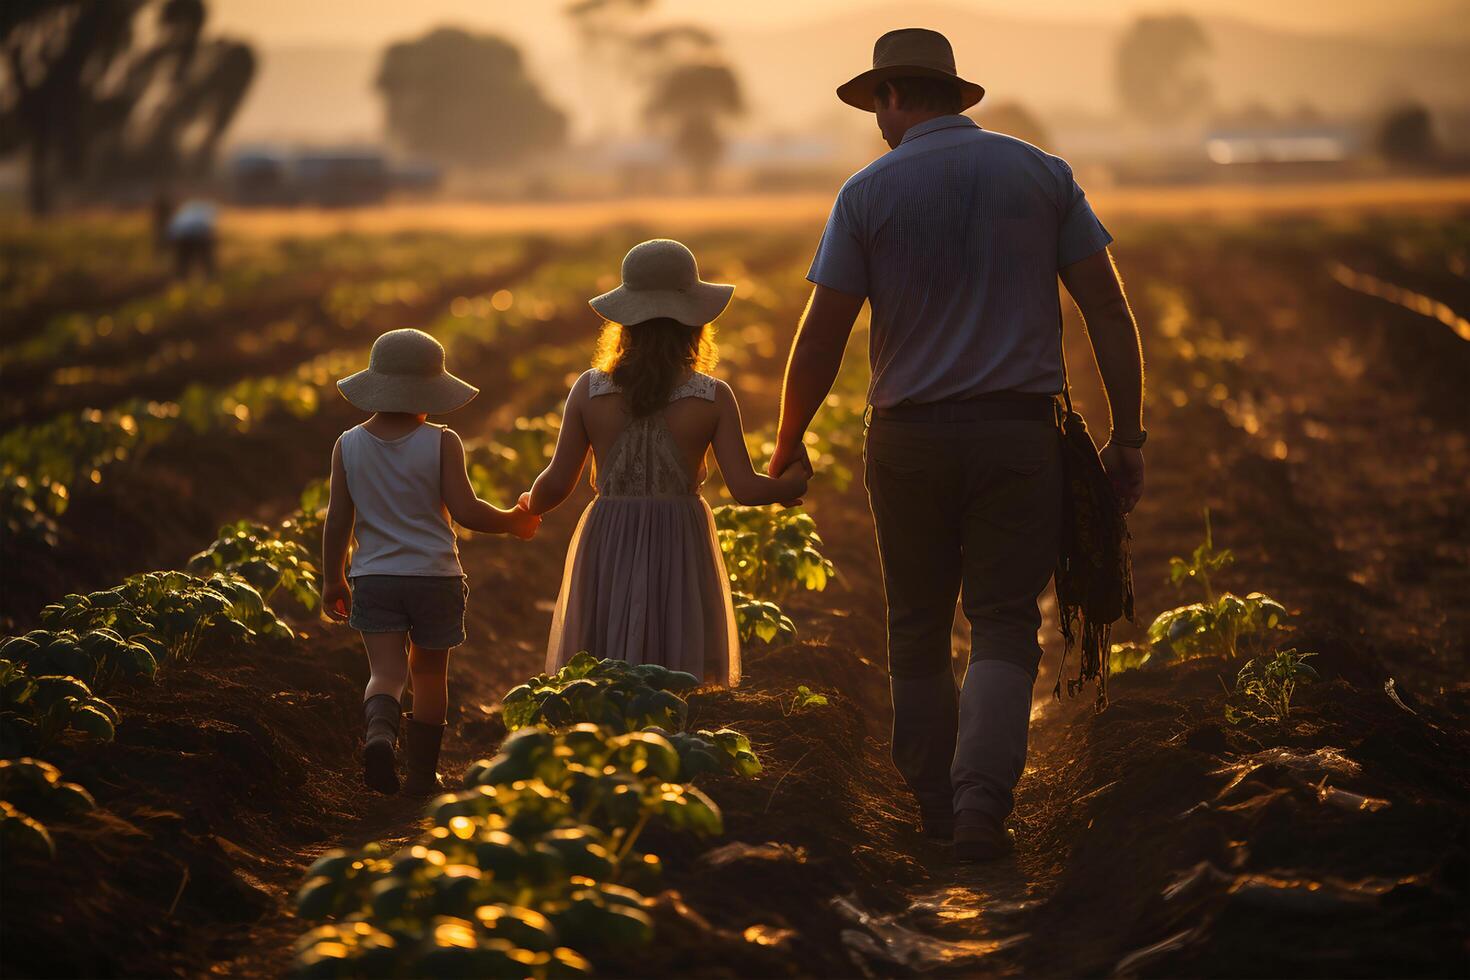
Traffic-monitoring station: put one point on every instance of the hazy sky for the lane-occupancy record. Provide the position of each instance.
(319, 56)
(372, 21)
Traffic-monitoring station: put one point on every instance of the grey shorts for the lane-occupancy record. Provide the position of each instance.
(429, 608)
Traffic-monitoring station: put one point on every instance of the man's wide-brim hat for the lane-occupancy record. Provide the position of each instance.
(661, 280)
(406, 373)
(912, 52)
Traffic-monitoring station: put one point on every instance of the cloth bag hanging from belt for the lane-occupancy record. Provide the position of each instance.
(1094, 577)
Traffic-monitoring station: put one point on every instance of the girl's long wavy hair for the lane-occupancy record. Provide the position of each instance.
(646, 359)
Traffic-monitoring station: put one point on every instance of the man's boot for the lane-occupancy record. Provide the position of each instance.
(379, 749)
(978, 836)
(421, 754)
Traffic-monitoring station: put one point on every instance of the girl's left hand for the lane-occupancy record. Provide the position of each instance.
(524, 503)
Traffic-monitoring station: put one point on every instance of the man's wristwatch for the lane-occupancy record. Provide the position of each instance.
(1136, 442)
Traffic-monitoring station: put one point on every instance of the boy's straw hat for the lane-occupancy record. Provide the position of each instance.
(908, 53)
(406, 374)
(661, 279)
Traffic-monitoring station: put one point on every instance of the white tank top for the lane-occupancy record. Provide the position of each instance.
(402, 527)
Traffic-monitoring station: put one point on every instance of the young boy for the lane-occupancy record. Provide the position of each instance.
(397, 481)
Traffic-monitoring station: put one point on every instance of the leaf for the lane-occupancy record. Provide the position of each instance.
(22, 831)
(686, 808)
(87, 718)
(804, 698)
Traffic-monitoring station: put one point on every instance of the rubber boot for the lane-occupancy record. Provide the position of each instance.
(421, 755)
(379, 748)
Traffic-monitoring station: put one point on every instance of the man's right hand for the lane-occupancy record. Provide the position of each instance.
(1124, 467)
(785, 456)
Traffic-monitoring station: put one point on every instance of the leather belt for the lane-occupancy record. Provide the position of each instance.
(1007, 406)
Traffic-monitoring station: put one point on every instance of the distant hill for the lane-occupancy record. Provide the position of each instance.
(324, 92)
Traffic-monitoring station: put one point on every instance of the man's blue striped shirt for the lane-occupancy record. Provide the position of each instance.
(955, 237)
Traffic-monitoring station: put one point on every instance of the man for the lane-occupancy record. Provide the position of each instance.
(956, 238)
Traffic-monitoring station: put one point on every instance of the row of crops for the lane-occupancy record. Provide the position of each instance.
(534, 868)
(54, 680)
(42, 465)
(341, 280)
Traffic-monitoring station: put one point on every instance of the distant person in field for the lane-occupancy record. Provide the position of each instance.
(644, 579)
(956, 238)
(397, 483)
(190, 234)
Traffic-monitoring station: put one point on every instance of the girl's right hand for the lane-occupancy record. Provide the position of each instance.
(523, 523)
(337, 600)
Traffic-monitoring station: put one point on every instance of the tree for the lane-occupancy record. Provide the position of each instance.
(91, 102)
(465, 99)
(688, 87)
(1160, 72)
(691, 99)
(1406, 135)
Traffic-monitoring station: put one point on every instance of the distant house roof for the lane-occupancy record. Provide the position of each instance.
(1298, 145)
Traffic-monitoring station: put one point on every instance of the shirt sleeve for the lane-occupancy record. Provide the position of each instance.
(841, 262)
(1080, 234)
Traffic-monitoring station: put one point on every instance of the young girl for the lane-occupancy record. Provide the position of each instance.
(644, 580)
(396, 483)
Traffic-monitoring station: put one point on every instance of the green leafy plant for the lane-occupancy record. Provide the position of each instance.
(263, 557)
(30, 791)
(805, 698)
(533, 869)
(1216, 628)
(705, 751)
(1265, 685)
(1223, 624)
(1204, 561)
(171, 613)
(34, 711)
(613, 781)
(304, 525)
(624, 697)
(98, 658)
(757, 619)
(769, 552)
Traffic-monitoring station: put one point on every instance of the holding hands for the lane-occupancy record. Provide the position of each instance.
(791, 468)
(524, 524)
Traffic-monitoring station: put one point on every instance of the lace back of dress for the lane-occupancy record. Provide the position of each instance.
(645, 461)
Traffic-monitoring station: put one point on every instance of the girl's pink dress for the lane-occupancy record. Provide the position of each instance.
(644, 579)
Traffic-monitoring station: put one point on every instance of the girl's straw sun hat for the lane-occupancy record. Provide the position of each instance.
(661, 279)
(406, 373)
